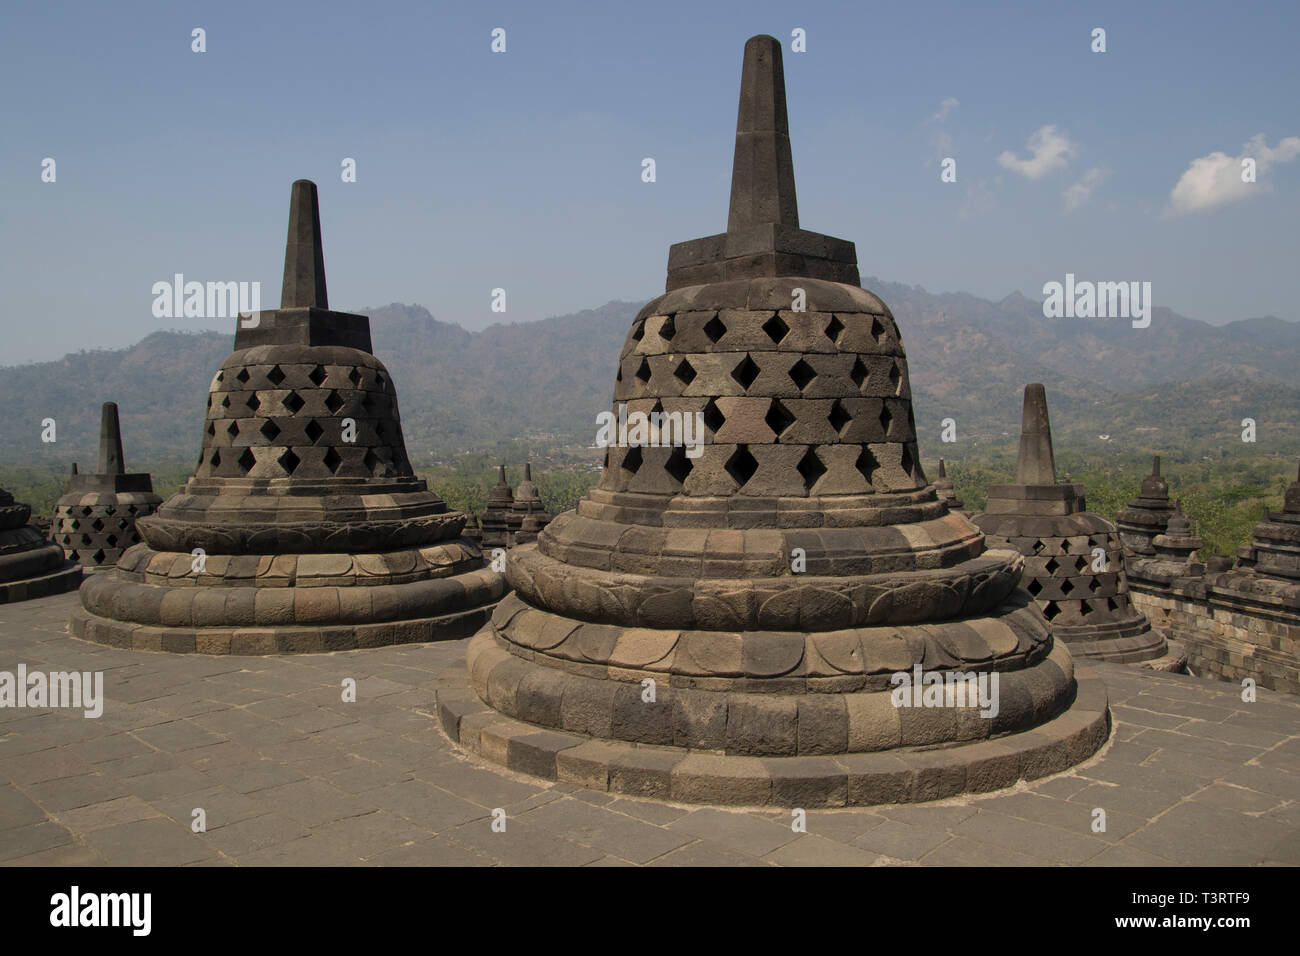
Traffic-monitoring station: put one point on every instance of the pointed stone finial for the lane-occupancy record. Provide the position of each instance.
(1036, 465)
(74, 467)
(1291, 500)
(304, 254)
(111, 460)
(762, 174)
(528, 471)
(943, 473)
(501, 474)
(1155, 465)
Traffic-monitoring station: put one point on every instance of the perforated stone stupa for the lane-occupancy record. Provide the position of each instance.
(943, 487)
(1074, 559)
(95, 519)
(31, 565)
(665, 639)
(304, 527)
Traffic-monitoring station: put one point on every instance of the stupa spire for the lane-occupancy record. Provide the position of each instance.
(762, 174)
(111, 459)
(1036, 465)
(304, 253)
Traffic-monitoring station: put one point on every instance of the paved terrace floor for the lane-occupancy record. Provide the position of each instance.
(287, 773)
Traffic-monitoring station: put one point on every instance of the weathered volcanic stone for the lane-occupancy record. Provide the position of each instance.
(1074, 561)
(95, 519)
(496, 514)
(31, 565)
(304, 528)
(727, 627)
(528, 516)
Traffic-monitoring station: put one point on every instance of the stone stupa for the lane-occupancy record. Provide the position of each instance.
(495, 521)
(1074, 561)
(1146, 515)
(944, 489)
(95, 519)
(528, 515)
(727, 628)
(31, 565)
(304, 527)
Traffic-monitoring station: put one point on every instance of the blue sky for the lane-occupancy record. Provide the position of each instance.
(522, 170)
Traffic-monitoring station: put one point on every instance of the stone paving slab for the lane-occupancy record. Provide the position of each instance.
(288, 773)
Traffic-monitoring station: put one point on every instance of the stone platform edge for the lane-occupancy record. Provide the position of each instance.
(60, 581)
(264, 641)
(905, 775)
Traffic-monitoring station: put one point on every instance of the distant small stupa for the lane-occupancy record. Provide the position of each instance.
(95, 519)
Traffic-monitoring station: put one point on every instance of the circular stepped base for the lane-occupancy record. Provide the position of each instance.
(261, 641)
(1174, 661)
(1136, 649)
(67, 578)
(902, 775)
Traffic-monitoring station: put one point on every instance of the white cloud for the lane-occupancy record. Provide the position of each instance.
(946, 108)
(1081, 192)
(1048, 150)
(1215, 180)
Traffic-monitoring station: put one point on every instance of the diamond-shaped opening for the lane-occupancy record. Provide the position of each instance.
(1111, 605)
(1034, 587)
(632, 460)
(314, 431)
(877, 330)
(833, 329)
(225, 401)
(380, 380)
(907, 462)
(317, 375)
(1084, 609)
(638, 331)
(1050, 610)
(859, 372)
(269, 430)
(1051, 565)
(684, 372)
(1065, 545)
(370, 461)
(1038, 546)
(216, 457)
(212, 428)
(714, 329)
(867, 465)
(74, 556)
(111, 541)
(354, 376)
(895, 378)
(838, 417)
(246, 461)
(745, 373)
(678, 465)
(668, 329)
(643, 371)
(802, 373)
(97, 524)
(242, 376)
(778, 418)
(253, 402)
(333, 401)
(221, 376)
(233, 429)
(1080, 564)
(99, 556)
(713, 417)
(289, 461)
(811, 468)
(332, 461)
(886, 419)
(292, 402)
(1066, 586)
(741, 465)
(87, 540)
(619, 376)
(275, 376)
(1094, 585)
(776, 329)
